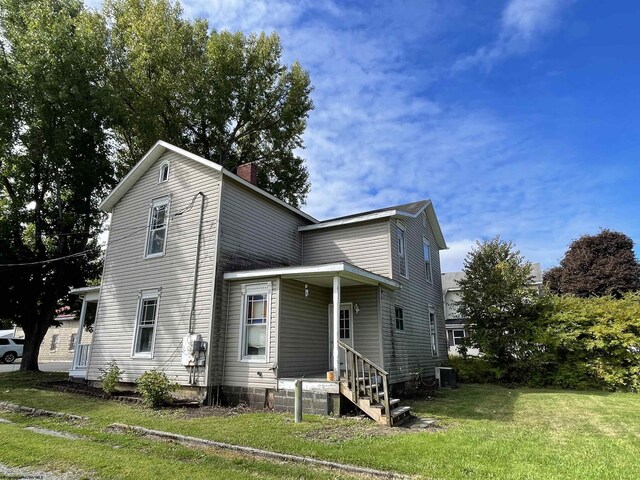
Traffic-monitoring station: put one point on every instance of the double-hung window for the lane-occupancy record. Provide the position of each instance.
(458, 336)
(158, 223)
(402, 249)
(399, 319)
(54, 343)
(146, 321)
(72, 342)
(433, 330)
(427, 260)
(255, 322)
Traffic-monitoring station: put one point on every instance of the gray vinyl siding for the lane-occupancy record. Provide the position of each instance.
(366, 335)
(238, 373)
(127, 272)
(303, 330)
(409, 351)
(365, 245)
(254, 233)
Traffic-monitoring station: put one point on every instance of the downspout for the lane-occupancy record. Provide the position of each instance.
(192, 314)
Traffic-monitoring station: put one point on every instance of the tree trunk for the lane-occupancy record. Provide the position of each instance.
(33, 338)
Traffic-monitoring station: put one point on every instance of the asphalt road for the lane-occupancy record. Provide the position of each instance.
(45, 367)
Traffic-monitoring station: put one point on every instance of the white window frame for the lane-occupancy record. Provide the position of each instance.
(164, 164)
(248, 290)
(433, 330)
(145, 295)
(72, 342)
(55, 340)
(395, 317)
(453, 335)
(158, 202)
(428, 267)
(402, 256)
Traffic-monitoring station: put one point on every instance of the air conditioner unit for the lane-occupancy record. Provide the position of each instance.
(446, 377)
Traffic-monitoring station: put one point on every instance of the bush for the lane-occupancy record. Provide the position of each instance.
(110, 377)
(155, 388)
(472, 369)
(596, 342)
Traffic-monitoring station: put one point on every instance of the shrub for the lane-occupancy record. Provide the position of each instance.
(472, 369)
(110, 377)
(155, 388)
(596, 342)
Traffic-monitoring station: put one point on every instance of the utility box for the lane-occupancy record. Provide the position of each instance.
(193, 348)
(446, 377)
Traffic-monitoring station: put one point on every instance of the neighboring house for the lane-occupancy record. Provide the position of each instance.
(455, 324)
(59, 344)
(6, 333)
(235, 294)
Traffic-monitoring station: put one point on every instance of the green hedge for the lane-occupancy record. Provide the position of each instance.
(583, 343)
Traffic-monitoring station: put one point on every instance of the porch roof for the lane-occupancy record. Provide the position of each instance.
(321, 275)
(90, 294)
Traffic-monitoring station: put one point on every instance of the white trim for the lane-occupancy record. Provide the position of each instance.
(328, 268)
(146, 295)
(433, 332)
(266, 289)
(427, 208)
(164, 163)
(395, 319)
(402, 226)
(343, 306)
(350, 220)
(426, 242)
(156, 152)
(158, 202)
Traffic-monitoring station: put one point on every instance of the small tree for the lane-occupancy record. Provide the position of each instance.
(502, 309)
(596, 265)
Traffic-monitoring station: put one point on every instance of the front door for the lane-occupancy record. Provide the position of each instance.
(345, 327)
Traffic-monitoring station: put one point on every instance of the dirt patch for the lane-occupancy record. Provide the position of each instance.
(204, 411)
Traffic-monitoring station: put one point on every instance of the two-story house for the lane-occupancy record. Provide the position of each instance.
(235, 294)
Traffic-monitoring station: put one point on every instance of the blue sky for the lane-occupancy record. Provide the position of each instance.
(518, 118)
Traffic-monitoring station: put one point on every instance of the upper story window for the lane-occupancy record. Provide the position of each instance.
(255, 316)
(146, 323)
(427, 260)
(158, 224)
(163, 176)
(399, 318)
(402, 249)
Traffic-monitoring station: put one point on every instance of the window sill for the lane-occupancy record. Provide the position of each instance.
(142, 355)
(154, 255)
(261, 360)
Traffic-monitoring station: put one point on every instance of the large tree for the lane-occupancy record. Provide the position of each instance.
(224, 96)
(501, 307)
(54, 163)
(596, 265)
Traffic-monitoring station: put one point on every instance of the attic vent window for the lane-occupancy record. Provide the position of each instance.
(164, 172)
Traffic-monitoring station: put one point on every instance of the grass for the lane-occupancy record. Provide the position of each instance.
(490, 432)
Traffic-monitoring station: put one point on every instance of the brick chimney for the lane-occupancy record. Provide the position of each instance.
(248, 172)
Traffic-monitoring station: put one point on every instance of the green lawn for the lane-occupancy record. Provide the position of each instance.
(489, 432)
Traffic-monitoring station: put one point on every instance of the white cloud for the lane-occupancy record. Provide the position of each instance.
(523, 23)
(452, 260)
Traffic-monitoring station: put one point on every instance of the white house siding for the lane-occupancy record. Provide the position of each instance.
(409, 351)
(365, 245)
(255, 232)
(238, 373)
(126, 272)
(303, 330)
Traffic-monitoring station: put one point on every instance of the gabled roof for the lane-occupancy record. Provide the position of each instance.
(450, 279)
(156, 152)
(410, 210)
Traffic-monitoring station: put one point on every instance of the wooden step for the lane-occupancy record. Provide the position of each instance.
(399, 415)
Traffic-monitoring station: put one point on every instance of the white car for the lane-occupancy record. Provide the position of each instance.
(10, 349)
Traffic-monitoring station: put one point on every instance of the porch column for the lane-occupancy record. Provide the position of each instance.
(336, 326)
(76, 351)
